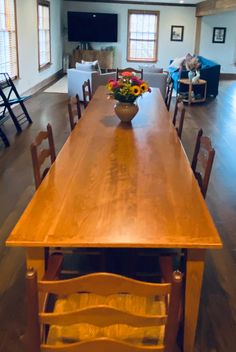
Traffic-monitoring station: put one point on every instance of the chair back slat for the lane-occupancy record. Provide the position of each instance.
(39, 157)
(102, 316)
(119, 72)
(43, 155)
(102, 345)
(104, 284)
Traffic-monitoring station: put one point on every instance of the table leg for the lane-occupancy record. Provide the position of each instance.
(190, 93)
(194, 274)
(35, 259)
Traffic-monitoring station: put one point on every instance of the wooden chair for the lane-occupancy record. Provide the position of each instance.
(38, 158)
(147, 314)
(178, 117)
(129, 69)
(87, 95)
(74, 110)
(203, 156)
(169, 91)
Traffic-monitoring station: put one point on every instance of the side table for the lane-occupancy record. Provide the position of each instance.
(191, 99)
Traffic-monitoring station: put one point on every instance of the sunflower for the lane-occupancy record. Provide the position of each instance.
(135, 90)
(144, 87)
(110, 85)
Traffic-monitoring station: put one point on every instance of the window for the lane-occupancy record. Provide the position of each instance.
(8, 43)
(44, 33)
(142, 35)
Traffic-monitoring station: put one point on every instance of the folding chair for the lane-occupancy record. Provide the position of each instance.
(9, 96)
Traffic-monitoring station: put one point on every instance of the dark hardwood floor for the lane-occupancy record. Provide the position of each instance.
(217, 318)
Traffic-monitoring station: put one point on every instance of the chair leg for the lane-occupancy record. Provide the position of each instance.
(14, 119)
(4, 138)
(25, 112)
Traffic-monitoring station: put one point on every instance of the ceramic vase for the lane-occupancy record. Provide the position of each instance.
(191, 74)
(126, 111)
(196, 78)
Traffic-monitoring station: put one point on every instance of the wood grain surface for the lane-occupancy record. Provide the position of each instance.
(119, 185)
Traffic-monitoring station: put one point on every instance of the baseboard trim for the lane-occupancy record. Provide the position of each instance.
(228, 76)
(43, 84)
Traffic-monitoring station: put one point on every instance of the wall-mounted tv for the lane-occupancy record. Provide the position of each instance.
(92, 27)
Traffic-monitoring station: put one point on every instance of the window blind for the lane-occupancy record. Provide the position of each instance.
(44, 33)
(8, 44)
(142, 35)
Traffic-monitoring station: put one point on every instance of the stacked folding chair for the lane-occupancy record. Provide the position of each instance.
(9, 97)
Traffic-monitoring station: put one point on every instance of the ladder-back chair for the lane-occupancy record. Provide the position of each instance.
(178, 116)
(169, 91)
(9, 96)
(39, 157)
(119, 72)
(202, 161)
(87, 95)
(123, 314)
(74, 111)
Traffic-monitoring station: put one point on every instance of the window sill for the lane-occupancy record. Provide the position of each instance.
(45, 67)
(143, 60)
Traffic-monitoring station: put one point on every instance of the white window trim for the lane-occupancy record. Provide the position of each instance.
(13, 74)
(153, 59)
(47, 64)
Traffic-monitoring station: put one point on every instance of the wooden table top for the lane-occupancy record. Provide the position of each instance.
(115, 185)
(187, 81)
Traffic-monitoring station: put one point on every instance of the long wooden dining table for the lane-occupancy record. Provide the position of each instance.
(122, 185)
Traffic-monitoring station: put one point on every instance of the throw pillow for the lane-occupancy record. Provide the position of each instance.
(177, 62)
(83, 67)
(94, 63)
(151, 68)
(192, 64)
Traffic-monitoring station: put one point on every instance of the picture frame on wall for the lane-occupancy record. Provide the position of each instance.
(219, 34)
(177, 33)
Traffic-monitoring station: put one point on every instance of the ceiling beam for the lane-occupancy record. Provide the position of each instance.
(137, 2)
(212, 7)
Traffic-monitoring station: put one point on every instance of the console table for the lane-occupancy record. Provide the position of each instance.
(104, 57)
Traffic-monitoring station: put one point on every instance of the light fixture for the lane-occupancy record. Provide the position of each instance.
(181, 1)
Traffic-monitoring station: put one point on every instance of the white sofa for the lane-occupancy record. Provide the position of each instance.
(76, 78)
(156, 80)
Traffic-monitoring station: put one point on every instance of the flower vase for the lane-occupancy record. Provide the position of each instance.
(126, 111)
(196, 78)
(191, 74)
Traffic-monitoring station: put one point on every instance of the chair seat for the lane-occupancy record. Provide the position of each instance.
(16, 100)
(126, 302)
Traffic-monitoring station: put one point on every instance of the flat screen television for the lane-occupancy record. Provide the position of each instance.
(92, 27)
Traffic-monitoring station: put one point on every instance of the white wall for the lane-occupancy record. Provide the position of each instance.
(225, 53)
(169, 15)
(26, 11)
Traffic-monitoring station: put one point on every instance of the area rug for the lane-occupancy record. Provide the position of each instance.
(58, 87)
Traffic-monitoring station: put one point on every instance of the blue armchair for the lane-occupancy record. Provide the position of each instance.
(210, 71)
